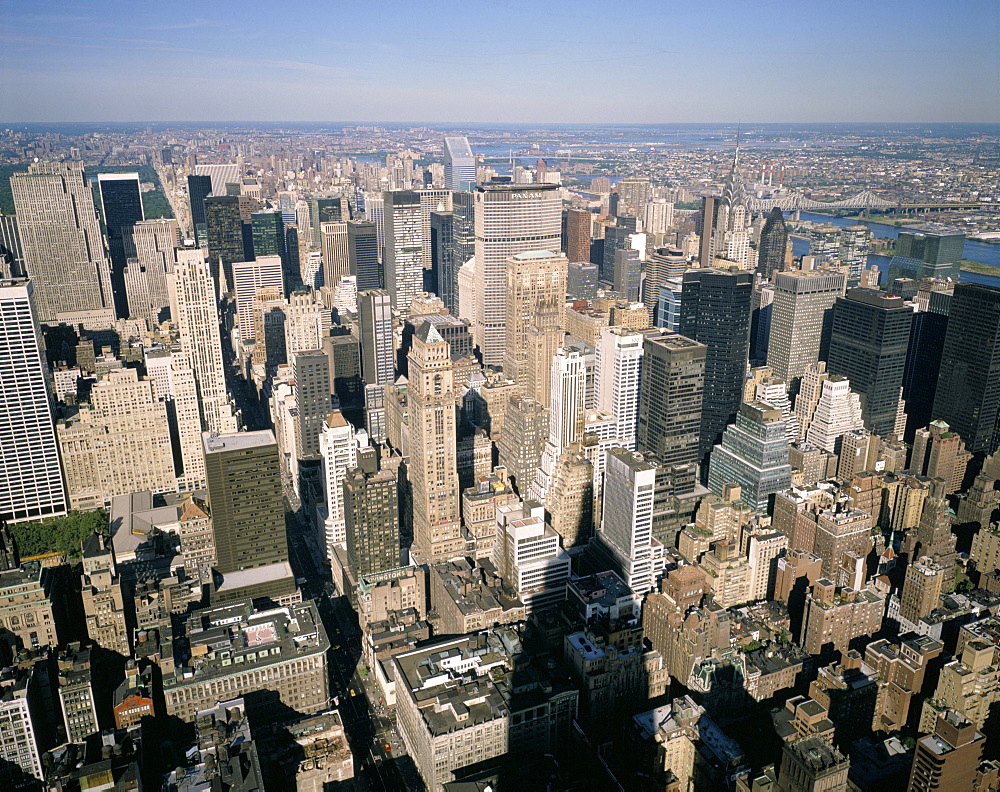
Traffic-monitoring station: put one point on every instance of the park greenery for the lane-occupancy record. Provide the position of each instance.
(58, 534)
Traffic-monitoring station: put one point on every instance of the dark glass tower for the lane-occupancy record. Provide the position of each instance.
(442, 260)
(773, 241)
(224, 235)
(121, 207)
(269, 240)
(363, 254)
(371, 511)
(923, 360)
(716, 307)
(871, 333)
(615, 238)
(968, 388)
(199, 188)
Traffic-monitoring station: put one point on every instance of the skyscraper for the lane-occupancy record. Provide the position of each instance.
(404, 244)
(716, 307)
(249, 277)
(121, 207)
(221, 176)
(534, 278)
(948, 758)
(578, 231)
(199, 188)
(509, 219)
(433, 476)
(336, 247)
(633, 195)
(375, 331)
(670, 403)
(31, 480)
(339, 450)
(371, 511)
(800, 321)
(442, 259)
(771, 250)
(224, 237)
(968, 389)
(581, 280)
(248, 515)
(459, 164)
(311, 369)
(154, 242)
(628, 274)
(868, 344)
(268, 234)
(61, 239)
(363, 254)
(616, 379)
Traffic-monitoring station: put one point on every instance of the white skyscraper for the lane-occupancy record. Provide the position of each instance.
(31, 480)
(306, 322)
(221, 175)
(616, 379)
(459, 163)
(248, 278)
(509, 219)
(198, 325)
(568, 395)
(339, 450)
(529, 556)
(404, 249)
(837, 412)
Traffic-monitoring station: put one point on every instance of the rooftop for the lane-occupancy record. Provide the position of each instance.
(239, 441)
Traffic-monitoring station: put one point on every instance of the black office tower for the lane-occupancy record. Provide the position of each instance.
(371, 511)
(224, 235)
(363, 254)
(868, 343)
(615, 238)
(445, 273)
(199, 188)
(773, 241)
(968, 388)
(923, 360)
(121, 207)
(716, 307)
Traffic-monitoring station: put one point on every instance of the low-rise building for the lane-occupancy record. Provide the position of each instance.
(468, 597)
(26, 598)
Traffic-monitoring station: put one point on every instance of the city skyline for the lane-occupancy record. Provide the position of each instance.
(848, 62)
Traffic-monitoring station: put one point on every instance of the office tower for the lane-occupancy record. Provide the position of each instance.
(11, 253)
(311, 369)
(771, 249)
(174, 383)
(664, 265)
(248, 515)
(463, 231)
(431, 201)
(628, 274)
(810, 390)
(940, 251)
(921, 589)
(617, 379)
(459, 165)
(363, 254)
(268, 314)
(760, 322)
(855, 242)
(199, 188)
(528, 556)
(509, 219)
(923, 362)
(222, 176)
(716, 307)
(268, 229)
(566, 404)
(61, 239)
(616, 238)
(940, 453)
(198, 327)
(335, 244)
(153, 243)
(581, 280)
(824, 243)
(307, 322)
(31, 479)
(442, 259)
(250, 278)
(659, 216)
(948, 758)
(121, 208)
(579, 223)
(868, 343)
(371, 511)
(327, 210)
(525, 430)
(837, 412)
(633, 195)
(21, 728)
(570, 504)
(102, 457)
(706, 223)
(339, 449)
(403, 258)
(376, 335)
(433, 480)
(753, 455)
(968, 389)
(627, 520)
(731, 228)
(812, 764)
(76, 692)
(534, 279)
(224, 238)
(670, 400)
(800, 320)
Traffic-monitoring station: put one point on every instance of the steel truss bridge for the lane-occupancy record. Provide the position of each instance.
(867, 200)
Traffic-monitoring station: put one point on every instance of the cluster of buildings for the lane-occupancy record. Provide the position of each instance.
(608, 481)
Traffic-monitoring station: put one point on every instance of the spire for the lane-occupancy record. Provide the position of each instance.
(736, 154)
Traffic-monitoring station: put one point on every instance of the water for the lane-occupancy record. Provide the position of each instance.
(983, 252)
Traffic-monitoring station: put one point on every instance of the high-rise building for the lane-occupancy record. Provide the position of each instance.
(868, 343)
(659, 216)
(628, 274)
(509, 219)
(153, 242)
(339, 449)
(948, 758)
(616, 237)
(855, 242)
(268, 229)
(311, 369)
(224, 237)
(21, 729)
(937, 249)
(633, 195)
(249, 278)
(812, 764)
(617, 373)
(11, 252)
(371, 512)
(431, 201)
(248, 515)
(121, 208)
(800, 320)
(534, 279)
(463, 231)
(336, 247)
(663, 267)
(31, 479)
(363, 254)
(579, 223)
(433, 444)
(716, 307)
(771, 249)
(442, 258)
(403, 258)
(61, 239)
(375, 331)
(459, 164)
(968, 389)
(198, 327)
(199, 188)
(525, 430)
(753, 455)
(837, 412)
(670, 401)
(940, 453)
(307, 322)
(327, 210)
(529, 557)
(581, 280)
(221, 176)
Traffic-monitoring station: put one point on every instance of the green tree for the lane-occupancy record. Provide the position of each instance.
(58, 534)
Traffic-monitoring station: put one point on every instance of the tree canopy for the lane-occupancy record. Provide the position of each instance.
(58, 534)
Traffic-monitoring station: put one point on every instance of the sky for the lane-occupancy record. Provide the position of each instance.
(517, 61)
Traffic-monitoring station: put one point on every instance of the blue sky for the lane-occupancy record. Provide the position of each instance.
(500, 61)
